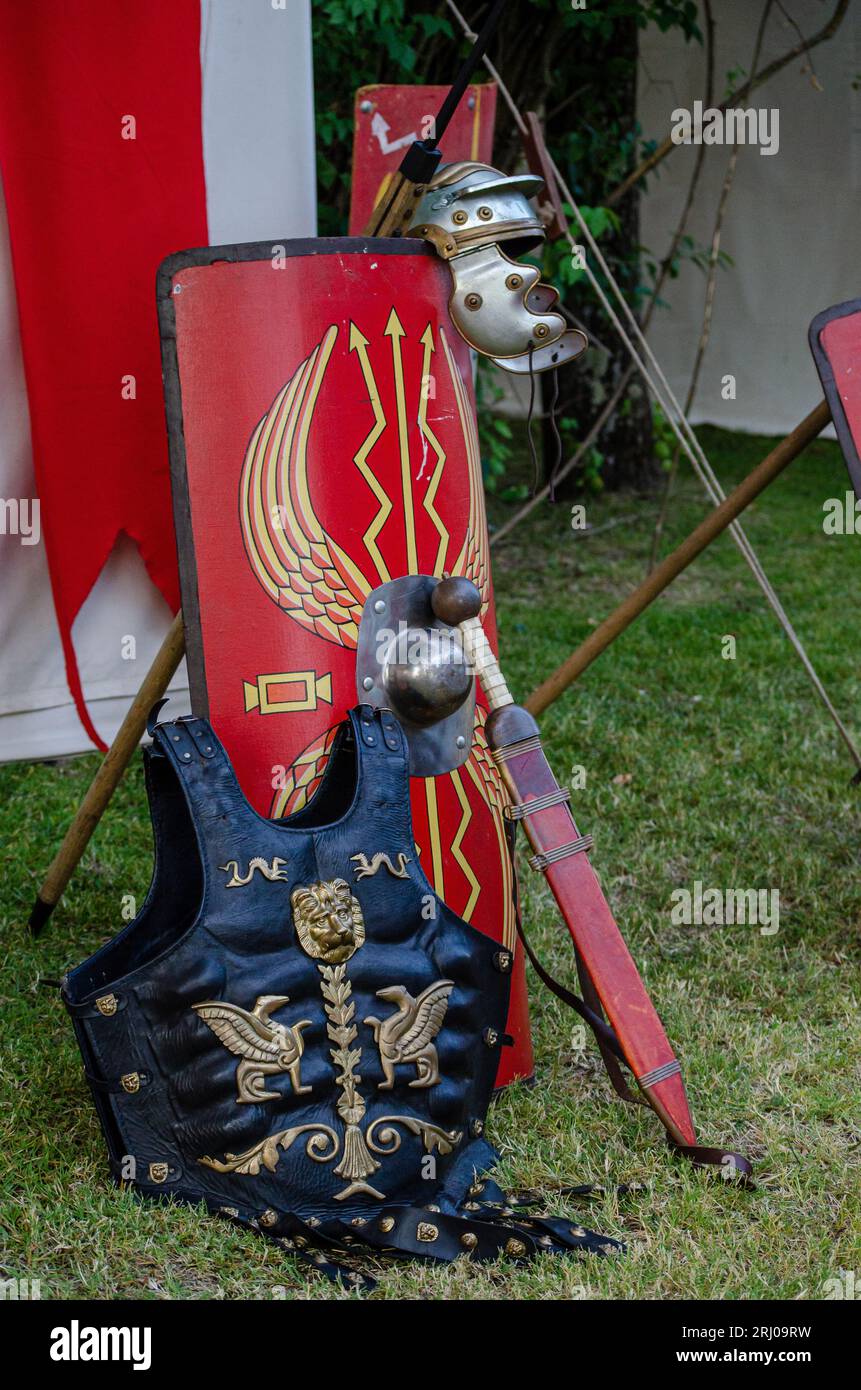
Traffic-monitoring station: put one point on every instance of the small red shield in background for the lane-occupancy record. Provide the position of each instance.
(323, 441)
(835, 341)
(387, 121)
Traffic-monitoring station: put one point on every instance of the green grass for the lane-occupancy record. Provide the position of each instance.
(736, 777)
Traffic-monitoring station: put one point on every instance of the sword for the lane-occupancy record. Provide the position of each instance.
(560, 852)
(393, 213)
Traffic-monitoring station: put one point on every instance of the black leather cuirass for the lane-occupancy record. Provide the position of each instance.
(294, 1025)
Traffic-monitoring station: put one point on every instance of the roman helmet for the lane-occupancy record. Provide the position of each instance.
(498, 303)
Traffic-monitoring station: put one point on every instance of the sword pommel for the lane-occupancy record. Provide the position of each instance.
(454, 600)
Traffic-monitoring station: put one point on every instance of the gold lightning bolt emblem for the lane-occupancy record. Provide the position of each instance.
(359, 345)
(395, 331)
(428, 434)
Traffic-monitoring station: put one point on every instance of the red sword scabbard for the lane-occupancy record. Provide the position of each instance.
(561, 853)
(551, 832)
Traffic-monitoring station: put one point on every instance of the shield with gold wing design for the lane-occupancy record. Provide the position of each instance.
(323, 442)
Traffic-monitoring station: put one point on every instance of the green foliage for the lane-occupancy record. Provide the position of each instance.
(356, 43)
(664, 440)
(495, 436)
(360, 42)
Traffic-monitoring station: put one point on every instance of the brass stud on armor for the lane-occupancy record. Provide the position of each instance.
(131, 1082)
(469, 1240)
(473, 301)
(485, 214)
(540, 330)
(514, 282)
(460, 217)
(269, 1217)
(427, 1232)
(107, 1005)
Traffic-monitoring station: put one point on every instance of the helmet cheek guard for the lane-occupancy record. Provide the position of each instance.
(499, 306)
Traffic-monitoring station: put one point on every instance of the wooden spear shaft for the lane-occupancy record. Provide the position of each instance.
(105, 782)
(655, 583)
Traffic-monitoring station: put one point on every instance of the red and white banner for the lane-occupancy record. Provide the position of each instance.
(127, 132)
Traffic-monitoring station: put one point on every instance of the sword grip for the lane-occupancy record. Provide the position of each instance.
(479, 654)
(457, 601)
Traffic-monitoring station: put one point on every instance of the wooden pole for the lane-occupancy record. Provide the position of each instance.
(107, 778)
(655, 583)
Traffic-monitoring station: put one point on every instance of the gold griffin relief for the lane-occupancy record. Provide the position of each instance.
(330, 929)
(266, 1048)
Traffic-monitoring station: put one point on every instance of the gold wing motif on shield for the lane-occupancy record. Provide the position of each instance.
(298, 563)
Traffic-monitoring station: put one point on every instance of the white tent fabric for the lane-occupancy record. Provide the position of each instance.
(259, 159)
(791, 220)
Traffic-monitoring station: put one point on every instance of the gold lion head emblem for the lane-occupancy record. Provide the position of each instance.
(328, 920)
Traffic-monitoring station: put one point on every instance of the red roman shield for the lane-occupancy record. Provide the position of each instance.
(323, 441)
(835, 341)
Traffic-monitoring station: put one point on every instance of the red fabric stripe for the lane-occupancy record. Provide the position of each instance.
(91, 215)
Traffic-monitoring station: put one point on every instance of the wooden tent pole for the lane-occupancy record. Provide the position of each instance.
(655, 583)
(106, 780)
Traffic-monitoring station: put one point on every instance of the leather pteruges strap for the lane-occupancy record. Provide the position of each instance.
(493, 1229)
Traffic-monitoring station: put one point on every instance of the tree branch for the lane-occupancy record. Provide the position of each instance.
(708, 307)
(735, 98)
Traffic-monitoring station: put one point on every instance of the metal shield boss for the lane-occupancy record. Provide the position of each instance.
(323, 445)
